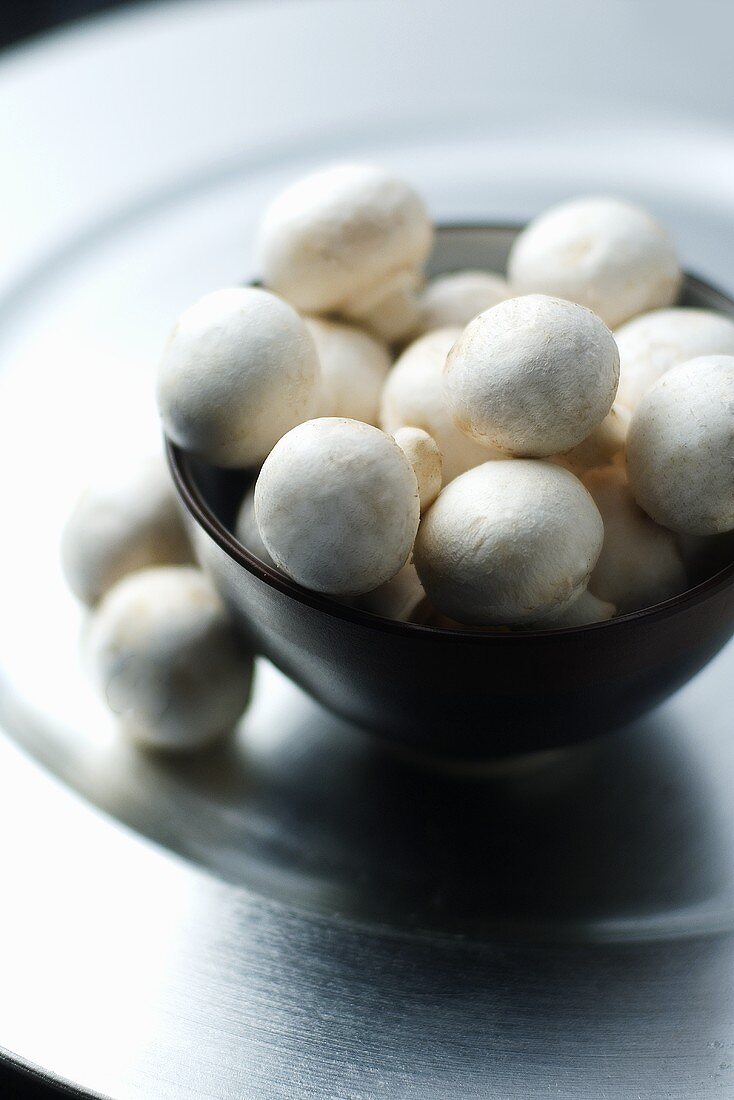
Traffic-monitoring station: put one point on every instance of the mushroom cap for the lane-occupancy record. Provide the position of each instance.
(640, 562)
(339, 234)
(653, 343)
(532, 376)
(127, 519)
(508, 542)
(413, 397)
(603, 445)
(423, 454)
(604, 253)
(354, 366)
(400, 598)
(167, 659)
(239, 370)
(457, 298)
(680, 447)
(337, 506)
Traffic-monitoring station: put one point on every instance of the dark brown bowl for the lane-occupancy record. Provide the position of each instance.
(460, 693)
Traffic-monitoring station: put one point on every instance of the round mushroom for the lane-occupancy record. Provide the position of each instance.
(532, 376)
(337, 506)
(413, 397)
(640, 562)
(603, 445)
(456, 299)
(354, 366)
(127, 519)
(423, 454)
(401, 598)
(239, 370)
(167, 659)
(509, 542)
(585, 610)
(653, 343)
(603, 253)
(345, 240)
(680, 447)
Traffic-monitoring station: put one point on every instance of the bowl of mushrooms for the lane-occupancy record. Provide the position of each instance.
(471, 487)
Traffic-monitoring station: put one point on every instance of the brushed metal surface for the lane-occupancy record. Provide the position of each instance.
(305, 913)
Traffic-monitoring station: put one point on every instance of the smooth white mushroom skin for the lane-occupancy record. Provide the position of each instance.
(640, 563)
(604, 253)
(393, 316)
(167, 659)
(653, 343)
(401, 598)
(680, 447)
(354, 366)
(247, 531)
(509, 542)
(423, 454)
(457, 298)
(337, 506)
(532, 376)
(343, 240)
(127, 519)
(585, 610)
(413, 397)
(605, 444)
(240, 369)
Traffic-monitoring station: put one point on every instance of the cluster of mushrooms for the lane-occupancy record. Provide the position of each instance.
(544, 449)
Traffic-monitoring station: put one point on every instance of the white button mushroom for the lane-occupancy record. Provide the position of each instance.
(508, 542)
(167, 659)
(584, 610)
(126, 519)
(345, 240)
(240, 369)
(603, 445)
(640, 563)
(248, 532)
(401, 598)
(337, 506)
(456, 299)
(423, 454)
(532, 376)
(680, 447)
(604, 253)
(413, 397)
(354, 366)
(653, 343)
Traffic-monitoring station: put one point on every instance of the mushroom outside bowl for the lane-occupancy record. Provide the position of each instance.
(459, 693)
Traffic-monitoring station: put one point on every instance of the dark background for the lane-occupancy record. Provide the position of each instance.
(20, 20)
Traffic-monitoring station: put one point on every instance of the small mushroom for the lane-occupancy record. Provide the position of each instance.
(640, 563)
(167, 659)
(127, 519)
(585, 610)
(350, 239)
(248, 532)
(239, 370)
(413, 397)
(337, 506)
(402, 597)
(680, 447)
(653, 343)
(532, 376)
(456, 299)
(603, 253)
(423, 454)
(603, 445)
(354, 366)
(509, 542)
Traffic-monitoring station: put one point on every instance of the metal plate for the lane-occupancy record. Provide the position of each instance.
(304, 913)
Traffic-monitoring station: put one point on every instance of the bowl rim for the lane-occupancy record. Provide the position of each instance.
(196, 505)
